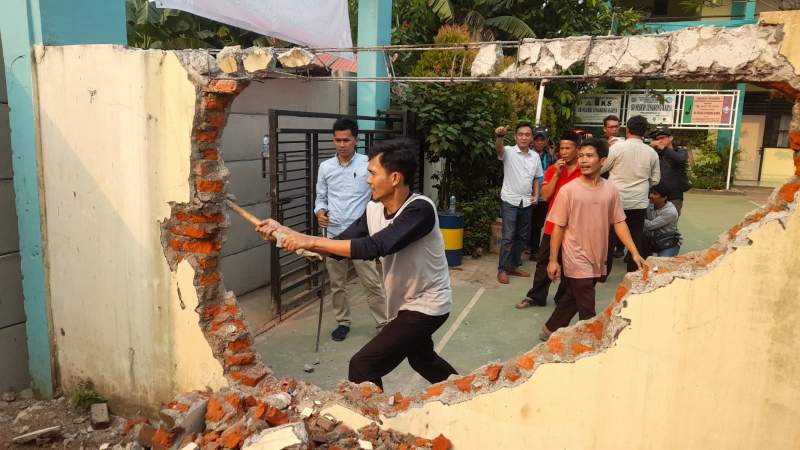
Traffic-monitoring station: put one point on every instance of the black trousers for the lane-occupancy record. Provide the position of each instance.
(407, 336)
(539, 214)
(541, 282)
(578, 297)
(634, 218)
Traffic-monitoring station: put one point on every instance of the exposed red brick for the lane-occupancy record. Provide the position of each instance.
(401, 403)
(441, 443)
(366, 391)
(578, 348)
(240, 359)
(201, 247)
(176, 245)
(233, 436)
(205, 136)
(231, 309)
(210, 278)
(492, 372)
(214, 411)
(512, 376)
(224, 86)
(555, 345)
(464, 384)
(239, 345)
(209, 311)
(215, 119)
(609, 310)
(711, 255)
(199, 218)
(797, 163)
(621, 291)
(250, 401)
(205, 167)
(212, 102)
(207, 263)
(433, 391)
(788, 190)
(162, 439)
(734, 231)
(794, 140)
(209, 185)
(422, 442)
(178, 406)
(250, 377)
(595, 328)
(130, 424)
(211, 154)
(645, 272)
(525, 362)
(276, 417)
(189, 231)
(260, 412)
(209, 437)
(234, 400)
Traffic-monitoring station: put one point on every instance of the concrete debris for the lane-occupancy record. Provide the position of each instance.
(229, 58)
(296, 58)
(258, 59)
(99, 416)
(9, 396)
(191, 446)
(281, 400)
(306, 413)
(105, 446)
(487, 60)
(278, 437)
(26, 394)
(621, 57)
(366, 445)
(38, 434)
(308, 368)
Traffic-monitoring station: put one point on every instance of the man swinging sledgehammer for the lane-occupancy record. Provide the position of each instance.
(401, 228)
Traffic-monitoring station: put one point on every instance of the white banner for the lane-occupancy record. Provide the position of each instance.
(592, 109)
(311, 23)
(656, 111)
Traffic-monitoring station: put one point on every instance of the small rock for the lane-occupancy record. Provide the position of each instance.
(317, 403)
(9, 396)
(366, 445)
(281, 400)
(22, 429)
(99, 416)
(316, 362)
(306, 413)
(308, 368)
(26, 394)
(38, 434)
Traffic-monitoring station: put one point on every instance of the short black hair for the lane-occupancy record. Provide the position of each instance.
(661, 190)
(637, 125)
(610, 117)
(398, 155)
(523, 124)
(571, 136)
(601, 145)
(346, 123)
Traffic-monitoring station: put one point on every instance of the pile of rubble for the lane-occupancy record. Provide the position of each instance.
(277, 414)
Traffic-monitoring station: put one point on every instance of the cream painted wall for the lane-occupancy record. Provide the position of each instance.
(115, 148)
(705, 364)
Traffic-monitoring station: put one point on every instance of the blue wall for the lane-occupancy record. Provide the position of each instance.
(374, 28)
(23, 24)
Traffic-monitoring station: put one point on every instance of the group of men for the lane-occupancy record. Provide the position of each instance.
(587, 216)
(561, 192)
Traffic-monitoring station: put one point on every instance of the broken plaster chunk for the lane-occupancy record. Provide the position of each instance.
(228, 59)
(306, 413)
(487, 60)
(281, 400)
(258, 59)
(278, 437)
(366, 445)
(99, 416)
(191, 446)
(529, 51)
(296, 58)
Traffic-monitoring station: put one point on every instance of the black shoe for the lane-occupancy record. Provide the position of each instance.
(619, 253)
(340, 333)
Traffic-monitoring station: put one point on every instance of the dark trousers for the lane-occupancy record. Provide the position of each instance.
(578, 297)
(407, 336)
(678, 202)
(538, 216)
(516, 231)
(634, 218)
(541, 282)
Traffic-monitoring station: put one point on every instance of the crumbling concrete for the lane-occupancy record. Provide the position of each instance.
(487, 60)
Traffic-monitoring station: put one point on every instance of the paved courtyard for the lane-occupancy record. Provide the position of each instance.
(483, 326)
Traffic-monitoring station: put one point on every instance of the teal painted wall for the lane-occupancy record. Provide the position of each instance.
(23, 24)
(374, 28)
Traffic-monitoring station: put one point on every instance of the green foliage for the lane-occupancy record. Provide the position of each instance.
(444, 62)
(151, 27)
(479, 214)
(710, 167)
(85, 396)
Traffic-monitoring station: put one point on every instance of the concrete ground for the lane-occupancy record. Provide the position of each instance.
(483, 325)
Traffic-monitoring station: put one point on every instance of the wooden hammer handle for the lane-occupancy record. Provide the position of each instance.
(255, 221)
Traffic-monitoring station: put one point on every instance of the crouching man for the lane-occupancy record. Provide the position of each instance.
(402, 228)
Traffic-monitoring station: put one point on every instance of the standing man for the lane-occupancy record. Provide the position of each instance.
(611, 130)
(673, 163)
(562, 172)
(521, 169)
(633, 167)
(402, 229)
(342, 196)
(539, 209)
(582, 216)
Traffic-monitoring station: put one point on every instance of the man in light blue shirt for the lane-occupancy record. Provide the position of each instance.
(342, 197)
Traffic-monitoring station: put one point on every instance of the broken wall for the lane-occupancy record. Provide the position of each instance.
(115, 151)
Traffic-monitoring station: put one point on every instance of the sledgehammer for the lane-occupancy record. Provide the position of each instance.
(278, 235)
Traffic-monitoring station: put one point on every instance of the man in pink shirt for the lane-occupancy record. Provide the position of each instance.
(582, 215)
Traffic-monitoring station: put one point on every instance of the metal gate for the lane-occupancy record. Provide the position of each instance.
(291, 165)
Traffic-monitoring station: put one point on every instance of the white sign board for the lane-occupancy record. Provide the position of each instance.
(593, 109)
(658, 110)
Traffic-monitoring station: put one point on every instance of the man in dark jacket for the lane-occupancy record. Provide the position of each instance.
(673, 162)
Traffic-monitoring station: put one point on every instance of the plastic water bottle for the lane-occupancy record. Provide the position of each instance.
(452, 204)
(265, 146)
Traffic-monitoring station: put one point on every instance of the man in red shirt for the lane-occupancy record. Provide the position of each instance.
(556, 176)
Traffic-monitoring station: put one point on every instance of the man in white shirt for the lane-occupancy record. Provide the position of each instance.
(633, 168)
(522, 169)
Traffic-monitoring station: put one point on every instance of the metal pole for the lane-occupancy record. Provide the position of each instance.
(735, 114)
(540, 102)
(321, 295)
